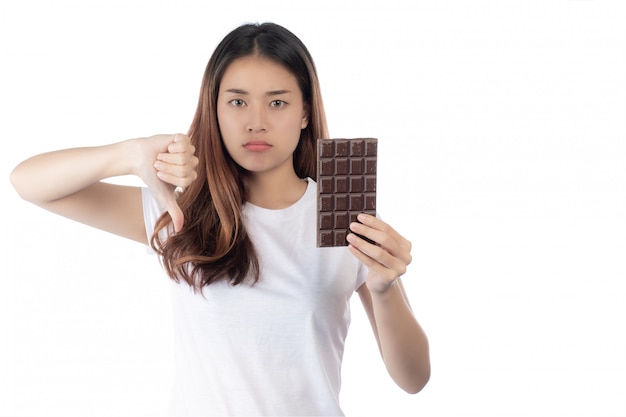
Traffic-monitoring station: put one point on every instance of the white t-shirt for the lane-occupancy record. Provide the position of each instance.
(274, 348)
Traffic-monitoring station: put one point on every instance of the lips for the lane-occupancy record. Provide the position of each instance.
(257, 146)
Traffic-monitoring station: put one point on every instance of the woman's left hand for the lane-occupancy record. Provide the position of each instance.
(387, 259)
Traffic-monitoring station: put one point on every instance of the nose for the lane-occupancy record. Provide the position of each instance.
(256, 121)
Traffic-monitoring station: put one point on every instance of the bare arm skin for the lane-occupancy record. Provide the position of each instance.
(401, 340)
(69, 182)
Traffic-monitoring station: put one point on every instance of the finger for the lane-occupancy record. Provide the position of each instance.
(177, 176)
(179, 153)
(376, 223)
(378, 254)
(380, 232)
(173, 144)
(372, 251)
(178, 158)
(183, 164)
(179, 143)
(395, 245)
(177, 168)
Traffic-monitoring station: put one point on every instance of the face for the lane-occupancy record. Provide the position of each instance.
(260, 112)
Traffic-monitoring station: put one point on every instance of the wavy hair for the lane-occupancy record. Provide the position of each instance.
(214, 244)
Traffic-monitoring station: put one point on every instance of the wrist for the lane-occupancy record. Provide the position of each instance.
(119, 159)
(383, 292)
(129, 157)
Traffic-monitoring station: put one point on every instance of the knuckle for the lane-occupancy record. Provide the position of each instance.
(385, 241)
(375, 252)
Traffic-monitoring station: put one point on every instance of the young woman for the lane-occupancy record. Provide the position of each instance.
(261, 314)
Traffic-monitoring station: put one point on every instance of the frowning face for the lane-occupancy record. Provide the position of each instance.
(261, 112)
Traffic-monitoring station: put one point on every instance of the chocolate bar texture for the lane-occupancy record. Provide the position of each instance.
(346, 186)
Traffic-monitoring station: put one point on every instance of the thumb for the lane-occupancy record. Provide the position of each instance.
(178, 219)
(162, 189)
(166, 196)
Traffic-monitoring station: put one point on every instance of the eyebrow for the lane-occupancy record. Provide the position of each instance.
(269, 93)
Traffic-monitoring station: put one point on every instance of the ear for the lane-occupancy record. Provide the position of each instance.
(305, 117)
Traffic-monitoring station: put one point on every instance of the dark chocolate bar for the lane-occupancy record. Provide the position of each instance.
(346, 186)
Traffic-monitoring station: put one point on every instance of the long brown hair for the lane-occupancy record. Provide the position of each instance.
(214, 244)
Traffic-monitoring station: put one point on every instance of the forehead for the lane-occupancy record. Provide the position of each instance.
(257, 73)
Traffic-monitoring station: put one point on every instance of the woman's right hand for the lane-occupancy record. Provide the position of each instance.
(165, 163)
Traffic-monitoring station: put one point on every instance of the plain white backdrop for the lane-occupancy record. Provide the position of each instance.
(502, 129)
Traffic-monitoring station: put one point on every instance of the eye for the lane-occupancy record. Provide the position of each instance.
(278, 103)
(237, 102)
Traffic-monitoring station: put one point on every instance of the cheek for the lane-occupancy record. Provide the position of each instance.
(220, 118)
(225, 124)
(291, 123)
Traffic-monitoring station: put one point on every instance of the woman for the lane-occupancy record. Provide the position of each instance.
(261, 314)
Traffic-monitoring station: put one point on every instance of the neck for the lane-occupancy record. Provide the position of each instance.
(274, 190)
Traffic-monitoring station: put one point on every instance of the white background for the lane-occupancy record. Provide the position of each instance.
(502, 128)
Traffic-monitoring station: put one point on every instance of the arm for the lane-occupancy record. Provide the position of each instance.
(68, 182)
(401, 340)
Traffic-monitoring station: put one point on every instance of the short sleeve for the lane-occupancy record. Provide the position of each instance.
(361, 275)
(152, 210)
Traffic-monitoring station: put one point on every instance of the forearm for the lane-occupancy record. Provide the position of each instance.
(403, 343)
(53, 175)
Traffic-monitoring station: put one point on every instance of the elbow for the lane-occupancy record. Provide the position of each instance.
(416, 386)
(414, 381)
(18, 184)
(23, 185)
(14, 178)
(411, 374)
